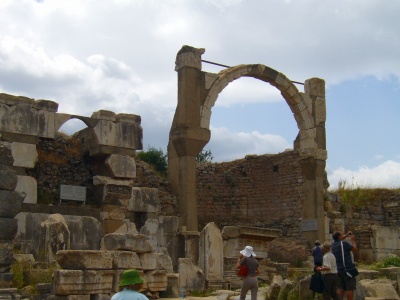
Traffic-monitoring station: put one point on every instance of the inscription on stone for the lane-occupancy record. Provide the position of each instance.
(309, 225)
(73, 192)
(118, 189)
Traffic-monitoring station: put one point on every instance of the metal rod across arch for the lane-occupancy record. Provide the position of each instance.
(225, 66)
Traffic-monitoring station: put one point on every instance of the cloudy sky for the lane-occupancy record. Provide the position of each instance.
(119, 55)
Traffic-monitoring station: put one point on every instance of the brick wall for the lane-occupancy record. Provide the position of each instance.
(264, 191)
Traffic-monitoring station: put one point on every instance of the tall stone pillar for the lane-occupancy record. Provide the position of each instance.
(313, 165)
(187, 138)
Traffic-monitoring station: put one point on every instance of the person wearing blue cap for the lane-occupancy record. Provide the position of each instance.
(130, 284)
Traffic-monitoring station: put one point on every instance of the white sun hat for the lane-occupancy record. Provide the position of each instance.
(248, 251)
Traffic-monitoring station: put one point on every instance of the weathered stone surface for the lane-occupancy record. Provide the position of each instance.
(6, 157)
(121, 166)
(75, 228)
(191, 277)
(9, 228)
(125, 260)
(128, 241)
(110, 226)
(25, 155)
(144, 200)
(8, 178)
(112, 212)
(78, 282)
(275, 287)
(156, 261)
(156, 280)
(84, 259)
(288, 250)
(150, 230)
(27, 185)
(379, 288)
(211, 258)
(24, 258)
(54, 236)
(385, 242)
(127, 227)
(91, 233)
(6, 256)
(10, 203)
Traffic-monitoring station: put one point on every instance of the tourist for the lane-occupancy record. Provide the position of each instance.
(250, 282)
(317, 254)
(346, 284)
(129, 286)
(329, 273)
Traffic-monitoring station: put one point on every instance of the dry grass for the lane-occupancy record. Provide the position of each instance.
(359, 196)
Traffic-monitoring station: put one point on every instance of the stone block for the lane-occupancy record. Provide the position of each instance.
(85, 259)
(6, 157)
(128, 227)
(121, 166)
(156, 261)
(144, 200)
(25, 155)
(130, 242)
(82, 282)
(54, 236)
(6, 256)
(168, 226)
(379, 288)
(110, 226)
(172, 290)
(74, 224)
(91, 233)
(9, 228)
(275, 287)
(112, 212)
(27, 185)
(24, 258)
(8, 178)
(125, 260)
(191, 277)
(10, 203)
(150, 230)
(104, 115)
(156, 280)
(211, 258)
(315, 87)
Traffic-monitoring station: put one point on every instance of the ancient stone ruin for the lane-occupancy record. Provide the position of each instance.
(85, 208)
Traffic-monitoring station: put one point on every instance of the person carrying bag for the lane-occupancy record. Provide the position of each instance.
(347, 270)
(250, 282)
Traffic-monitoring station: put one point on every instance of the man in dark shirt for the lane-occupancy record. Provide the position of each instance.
(317, 253)
(346, 284)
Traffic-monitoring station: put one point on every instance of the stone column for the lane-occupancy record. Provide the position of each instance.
(313, 165)
(187, 138)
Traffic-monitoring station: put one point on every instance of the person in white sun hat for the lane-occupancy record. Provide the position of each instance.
(250, 282)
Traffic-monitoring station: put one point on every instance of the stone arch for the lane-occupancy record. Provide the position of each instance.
(197, 94)
(299, 103)
(61, 119)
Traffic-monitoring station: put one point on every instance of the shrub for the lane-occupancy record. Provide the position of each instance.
(155, 158)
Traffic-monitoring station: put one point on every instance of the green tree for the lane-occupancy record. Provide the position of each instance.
(155, 158)
(204, 156)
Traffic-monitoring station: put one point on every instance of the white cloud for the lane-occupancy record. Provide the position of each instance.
(386, 174)
(226, 145)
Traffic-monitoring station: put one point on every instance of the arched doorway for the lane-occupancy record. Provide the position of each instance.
(197, 93)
